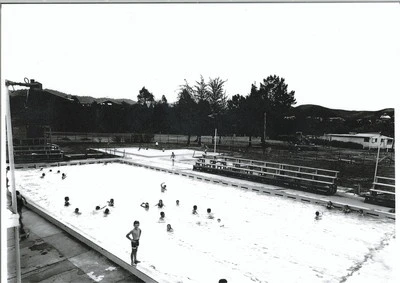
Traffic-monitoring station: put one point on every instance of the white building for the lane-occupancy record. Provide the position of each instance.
(367, 140)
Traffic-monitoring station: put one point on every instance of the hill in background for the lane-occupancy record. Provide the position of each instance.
(90, 99)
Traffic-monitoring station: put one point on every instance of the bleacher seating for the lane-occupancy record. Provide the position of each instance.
(37, 153)
(297, 177)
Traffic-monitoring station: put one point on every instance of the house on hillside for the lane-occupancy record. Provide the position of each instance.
(367, 140)
(108, 103)
(385, 117)
(336, 119)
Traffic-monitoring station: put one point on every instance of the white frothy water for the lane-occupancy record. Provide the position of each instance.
(263, 238)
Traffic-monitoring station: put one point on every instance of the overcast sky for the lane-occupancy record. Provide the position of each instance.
(343, 56)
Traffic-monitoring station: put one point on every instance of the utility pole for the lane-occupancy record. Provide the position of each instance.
(265, 125)
(214, 116)
(215, 140)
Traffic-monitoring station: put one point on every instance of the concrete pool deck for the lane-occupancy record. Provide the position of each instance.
(184, 162)
(52, 255)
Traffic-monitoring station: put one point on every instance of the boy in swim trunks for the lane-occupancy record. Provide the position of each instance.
(135, 232)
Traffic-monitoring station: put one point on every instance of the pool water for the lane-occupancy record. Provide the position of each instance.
(262, 239)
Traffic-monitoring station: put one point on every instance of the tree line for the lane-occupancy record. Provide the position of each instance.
(200, 108)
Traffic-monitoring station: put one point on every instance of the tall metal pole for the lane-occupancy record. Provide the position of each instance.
(215, 140)
(12, 181)
(377, 159)
(265, 125)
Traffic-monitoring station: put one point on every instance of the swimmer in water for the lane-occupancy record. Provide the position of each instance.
(160, 204)
(209, 214)
(77, 211)
(145, 205)
(163, 187)
(162, 216)
(317, 216)
(43, 174)
(329, 205)
(136, 232)
(66, 203)
(169, 228)
(58, 171)
(97, 207)
(177, 202)
(106, 211)
(346, 209)
(194, 211)
(111, 202)
(219, 222)
(63, 176)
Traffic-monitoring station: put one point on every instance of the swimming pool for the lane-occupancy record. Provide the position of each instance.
(264, 238)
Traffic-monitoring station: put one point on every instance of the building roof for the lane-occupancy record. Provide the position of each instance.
(60, 94)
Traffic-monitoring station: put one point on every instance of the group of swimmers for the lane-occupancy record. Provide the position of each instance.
(134, 234)
(106, 211)
(63, 175)
(346, 209)
(161, 204)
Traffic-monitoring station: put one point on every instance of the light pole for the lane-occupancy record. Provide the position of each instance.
(215, 140)
(214, 116)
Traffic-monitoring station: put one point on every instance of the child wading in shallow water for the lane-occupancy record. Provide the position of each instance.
(135, 232)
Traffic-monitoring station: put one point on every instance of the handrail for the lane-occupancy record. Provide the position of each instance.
(286, 170)
(273, 168)
(265, 162)
(385, 185)
(385, 178)
(243, 170)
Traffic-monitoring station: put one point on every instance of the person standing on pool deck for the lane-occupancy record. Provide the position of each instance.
(136, 232)
(21, 201)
